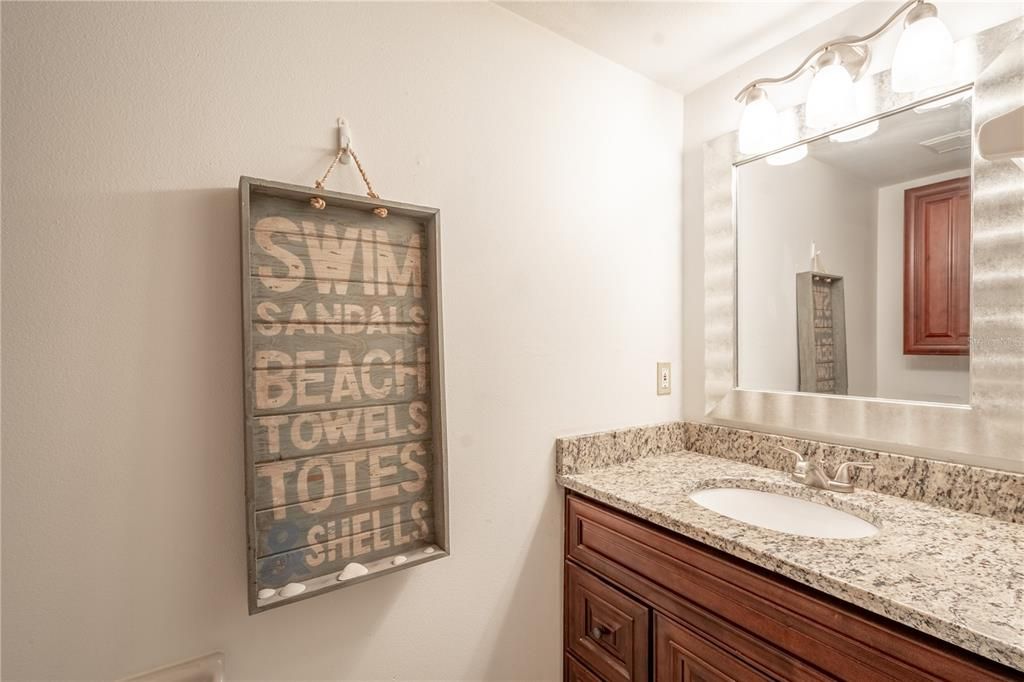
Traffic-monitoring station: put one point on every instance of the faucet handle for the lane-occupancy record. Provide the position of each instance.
(799, 457)
(843, 472)
(801, 462)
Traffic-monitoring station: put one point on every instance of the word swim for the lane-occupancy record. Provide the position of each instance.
(373, 532)
(281, 381)
(316, 484)
(335, 259)
(310, 432)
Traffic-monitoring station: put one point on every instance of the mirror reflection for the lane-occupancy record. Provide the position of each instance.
(853, 273)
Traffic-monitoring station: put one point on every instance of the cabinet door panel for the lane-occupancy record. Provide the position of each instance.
(681, 655)
(577, 672)
(937, 269)
(605, 629)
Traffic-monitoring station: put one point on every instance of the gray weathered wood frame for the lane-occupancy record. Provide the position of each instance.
(990, 430)
(430, 218)
(805, 332)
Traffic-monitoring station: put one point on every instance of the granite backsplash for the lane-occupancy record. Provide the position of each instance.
(989, 492)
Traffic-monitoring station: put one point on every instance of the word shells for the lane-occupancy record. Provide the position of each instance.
(398, 560)
(266, 593)
(292, 589)
(353, 570)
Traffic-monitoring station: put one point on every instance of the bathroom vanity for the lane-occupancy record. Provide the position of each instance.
(659, 588)
(642, 603)
(925, 579)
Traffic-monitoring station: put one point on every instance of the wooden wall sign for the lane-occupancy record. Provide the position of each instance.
(344, 404)
(821, 333)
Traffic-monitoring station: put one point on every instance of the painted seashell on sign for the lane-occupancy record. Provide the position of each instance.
(398, 560)
(353, 570)
(266, 593)
(292, 589)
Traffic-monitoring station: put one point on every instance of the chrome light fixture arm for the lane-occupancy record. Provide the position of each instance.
(848, 42)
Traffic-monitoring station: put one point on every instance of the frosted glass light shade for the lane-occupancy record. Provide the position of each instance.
(759, 125)
(791, 155)
(830, 101)
(857, 133)
(924, 56)
(939, 103)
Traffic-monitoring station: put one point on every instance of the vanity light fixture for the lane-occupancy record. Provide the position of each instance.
(830, 99)
(787, 156)
(855, 133)
(923, 59)
(759, 123)
(924, 54)
(944, 102)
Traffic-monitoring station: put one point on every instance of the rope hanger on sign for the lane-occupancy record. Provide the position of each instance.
(345, 149)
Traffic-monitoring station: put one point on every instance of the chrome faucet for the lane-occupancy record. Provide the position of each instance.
(814, 474)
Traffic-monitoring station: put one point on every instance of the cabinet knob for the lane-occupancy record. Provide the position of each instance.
(597, 632)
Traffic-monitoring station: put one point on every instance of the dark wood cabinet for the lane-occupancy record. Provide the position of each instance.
(937, 269)
(642, 603)
(605, 627)
(682, 655)
(577, 672)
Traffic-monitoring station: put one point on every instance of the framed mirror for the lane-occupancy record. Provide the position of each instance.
(866, 284)
(854, 260)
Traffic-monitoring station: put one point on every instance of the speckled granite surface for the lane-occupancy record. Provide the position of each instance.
(999, 494)
(957, 576)
(575, 454)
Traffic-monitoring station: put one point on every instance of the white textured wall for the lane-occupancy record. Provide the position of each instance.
(781, 210)
(936, 378)
(125, 128)
(711, 111)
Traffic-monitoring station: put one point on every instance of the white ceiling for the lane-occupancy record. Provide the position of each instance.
(681, 45)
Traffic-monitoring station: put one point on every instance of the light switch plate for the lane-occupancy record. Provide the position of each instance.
(664, 378)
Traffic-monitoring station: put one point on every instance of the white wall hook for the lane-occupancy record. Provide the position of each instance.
(816, 265)
(344, 140)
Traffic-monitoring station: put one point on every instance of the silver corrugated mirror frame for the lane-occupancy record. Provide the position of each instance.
(989, 431)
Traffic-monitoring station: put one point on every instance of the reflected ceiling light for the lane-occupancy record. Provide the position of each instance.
(830, 101)
(943, 102)
(924, 58)
(791, 155)
(856, 133)
(924, 54)
(759, 123)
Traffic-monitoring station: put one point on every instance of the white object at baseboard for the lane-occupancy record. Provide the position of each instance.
(209, 668)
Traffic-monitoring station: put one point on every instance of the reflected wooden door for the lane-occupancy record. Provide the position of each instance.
(937, 269)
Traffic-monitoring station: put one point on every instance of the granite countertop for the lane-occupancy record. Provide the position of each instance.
(955, 575)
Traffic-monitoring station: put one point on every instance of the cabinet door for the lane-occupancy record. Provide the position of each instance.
(937, 269)
(605, 628)
(682, 655)
(577, 672)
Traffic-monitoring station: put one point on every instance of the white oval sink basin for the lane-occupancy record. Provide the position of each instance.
(784, 513)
